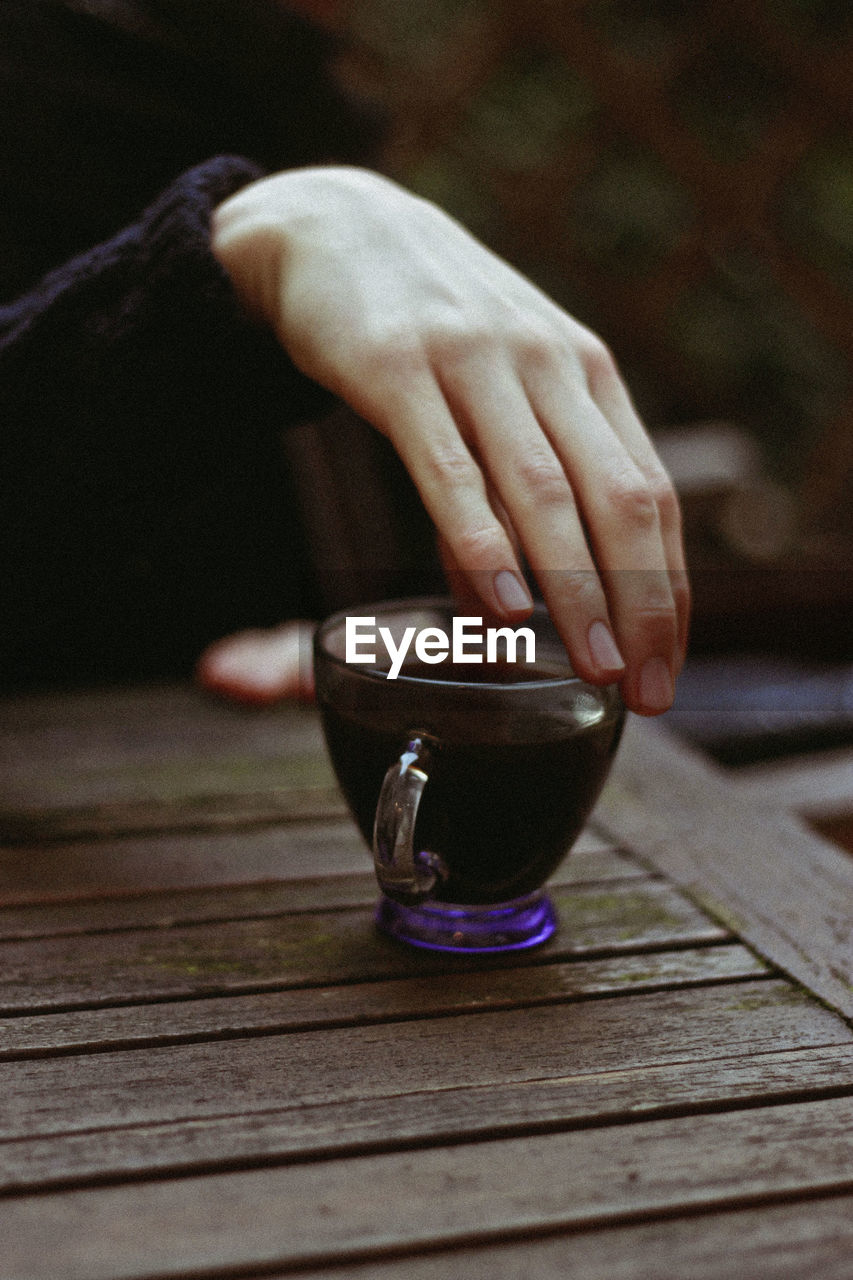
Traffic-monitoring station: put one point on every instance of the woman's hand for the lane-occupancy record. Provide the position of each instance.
(485, 387)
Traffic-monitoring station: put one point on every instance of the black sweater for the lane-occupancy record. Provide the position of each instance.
(144, 506)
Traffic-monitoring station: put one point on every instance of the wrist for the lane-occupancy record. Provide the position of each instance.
(272, 224)
(247, 247)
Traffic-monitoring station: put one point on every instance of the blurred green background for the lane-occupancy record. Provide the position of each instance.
(678, 175)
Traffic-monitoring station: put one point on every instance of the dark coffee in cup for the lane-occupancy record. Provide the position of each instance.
(504, 801)
(469, 780)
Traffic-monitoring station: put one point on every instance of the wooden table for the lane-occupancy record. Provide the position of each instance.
(212, 1065)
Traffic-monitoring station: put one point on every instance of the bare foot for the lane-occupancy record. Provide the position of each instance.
(261, 667)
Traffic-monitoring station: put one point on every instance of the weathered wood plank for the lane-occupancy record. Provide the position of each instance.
(203, 811)
(413, 1120)
(792, 1241)
(128, 760)
(784, 890)
(142, 760)
(137, 1026)
(90, 885)
(819, 785)
(180, 1082)
(317, 949)
(90, 736)
(111, 884)
(475, 1193)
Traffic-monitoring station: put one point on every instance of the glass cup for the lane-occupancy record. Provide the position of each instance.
(469, 779)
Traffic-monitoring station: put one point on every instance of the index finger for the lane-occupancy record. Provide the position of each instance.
(417, 419)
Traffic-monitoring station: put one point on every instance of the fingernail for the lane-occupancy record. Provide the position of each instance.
(512, 592)
(603, 648)
(656, 689)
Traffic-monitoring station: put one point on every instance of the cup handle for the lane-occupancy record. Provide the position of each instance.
(403, 874)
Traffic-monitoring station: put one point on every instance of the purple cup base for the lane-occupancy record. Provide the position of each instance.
(470, 930)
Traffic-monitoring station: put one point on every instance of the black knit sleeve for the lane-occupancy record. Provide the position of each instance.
(144, 503)
(133, 366)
